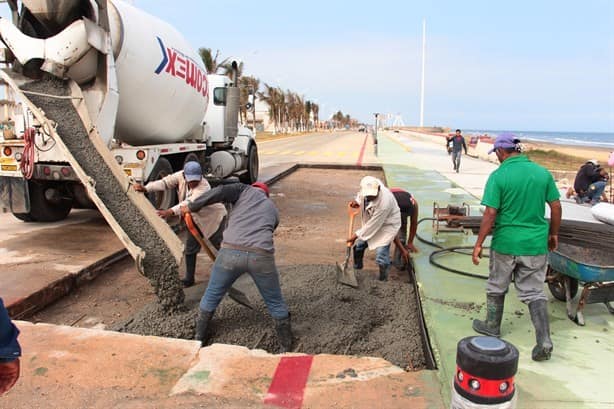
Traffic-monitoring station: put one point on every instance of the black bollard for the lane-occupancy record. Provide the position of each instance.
(485, 369)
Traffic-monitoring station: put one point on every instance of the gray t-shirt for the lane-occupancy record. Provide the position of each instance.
(252, 219)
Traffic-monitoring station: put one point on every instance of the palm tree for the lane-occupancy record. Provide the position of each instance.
(248, 85)
(274, 97)
(210, 61)
(315, 108)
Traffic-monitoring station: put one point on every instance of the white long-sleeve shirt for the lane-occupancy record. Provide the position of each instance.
(381, 219)
(208, 218)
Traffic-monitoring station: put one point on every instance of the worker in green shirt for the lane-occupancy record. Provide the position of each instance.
(515, 197)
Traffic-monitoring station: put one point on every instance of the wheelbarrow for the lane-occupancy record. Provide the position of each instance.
(569, 266)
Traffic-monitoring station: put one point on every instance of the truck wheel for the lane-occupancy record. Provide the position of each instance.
(192, 157)
(557, 287)
(46, 204)
(165, 199)
(24, 217)
(253, 164)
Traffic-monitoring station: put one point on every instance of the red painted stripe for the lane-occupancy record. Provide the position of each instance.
(362, 152)
(288, 385)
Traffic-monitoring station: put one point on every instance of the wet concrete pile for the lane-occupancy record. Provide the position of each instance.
(159, 265)
(377, 319)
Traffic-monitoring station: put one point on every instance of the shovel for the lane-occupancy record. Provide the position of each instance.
(344, 274)
(233, 293)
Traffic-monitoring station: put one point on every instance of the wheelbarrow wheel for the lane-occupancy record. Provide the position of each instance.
(557, 287)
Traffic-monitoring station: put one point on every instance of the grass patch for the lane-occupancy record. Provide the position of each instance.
(554, 160)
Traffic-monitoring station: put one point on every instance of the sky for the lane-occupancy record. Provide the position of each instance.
(540, 65)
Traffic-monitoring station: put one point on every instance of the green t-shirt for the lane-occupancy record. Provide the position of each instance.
(519, 190)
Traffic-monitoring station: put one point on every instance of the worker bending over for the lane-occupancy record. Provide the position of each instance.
(190, 184)
(409, 210)
(381, 221)
(247, 247)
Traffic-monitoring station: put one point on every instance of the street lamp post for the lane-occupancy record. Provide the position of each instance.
(375, 133)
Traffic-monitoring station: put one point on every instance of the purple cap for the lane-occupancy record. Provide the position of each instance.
(505, 140)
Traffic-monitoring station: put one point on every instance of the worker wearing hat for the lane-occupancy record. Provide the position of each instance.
(381, 221)
(515, 196)
(590, 183)
(247, 247)
(190, 184)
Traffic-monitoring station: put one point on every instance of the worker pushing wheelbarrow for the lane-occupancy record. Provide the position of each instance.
(569, 266)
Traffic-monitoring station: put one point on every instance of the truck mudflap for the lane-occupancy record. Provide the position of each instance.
(14, 194)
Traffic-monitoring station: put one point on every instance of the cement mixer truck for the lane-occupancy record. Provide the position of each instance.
(147, 93)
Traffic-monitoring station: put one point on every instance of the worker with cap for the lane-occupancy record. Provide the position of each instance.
(10, 351)
(189, 184)
(381, 221)
(409, 211)
(515, 197)
(590, 183)
(247, 247)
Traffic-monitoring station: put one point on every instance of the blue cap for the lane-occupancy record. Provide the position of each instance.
(505, 140)
(192, 171)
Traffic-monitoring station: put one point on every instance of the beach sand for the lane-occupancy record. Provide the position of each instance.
(582, 152)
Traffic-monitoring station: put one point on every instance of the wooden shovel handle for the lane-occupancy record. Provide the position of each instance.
(352, 212)
(203, 241)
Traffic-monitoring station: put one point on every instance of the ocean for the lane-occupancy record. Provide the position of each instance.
(588, 139)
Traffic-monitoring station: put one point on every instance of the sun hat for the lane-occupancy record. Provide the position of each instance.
(369, 186)
(192, 171)
(505, 140)
(262, 186)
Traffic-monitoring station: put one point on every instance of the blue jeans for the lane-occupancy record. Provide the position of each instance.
(230, 264)
(382, 254)
(595, 190)
(456, 159)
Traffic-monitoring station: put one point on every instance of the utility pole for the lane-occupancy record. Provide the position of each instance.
(423, 69)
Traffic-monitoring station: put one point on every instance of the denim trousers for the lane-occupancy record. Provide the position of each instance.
(595, 190)
(230, 264)
(456, 159)
(382, 254)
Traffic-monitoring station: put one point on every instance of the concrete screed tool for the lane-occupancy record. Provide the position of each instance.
(233, 293)
(344, 274)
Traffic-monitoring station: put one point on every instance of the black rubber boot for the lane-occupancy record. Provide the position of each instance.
(284, 333)
(494, 313)
(190, 269)
(358, 255)
(539, 316)
(202, 323)
(383, 272)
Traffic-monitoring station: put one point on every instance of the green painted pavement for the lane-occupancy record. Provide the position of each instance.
(581, 371)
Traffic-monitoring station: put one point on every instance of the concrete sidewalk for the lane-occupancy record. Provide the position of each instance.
(42, 262)
(65, 367)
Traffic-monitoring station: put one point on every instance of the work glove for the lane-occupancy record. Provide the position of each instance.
(9, 372)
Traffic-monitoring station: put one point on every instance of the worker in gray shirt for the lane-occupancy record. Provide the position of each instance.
(247, 247)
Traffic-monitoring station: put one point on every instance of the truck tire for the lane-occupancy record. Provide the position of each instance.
(253, 164)
(43, 208)
(166, 199)
(192, 157)
(24, 217)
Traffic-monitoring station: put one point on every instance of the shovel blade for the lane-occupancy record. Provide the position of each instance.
(346, 276)
(239, 297)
